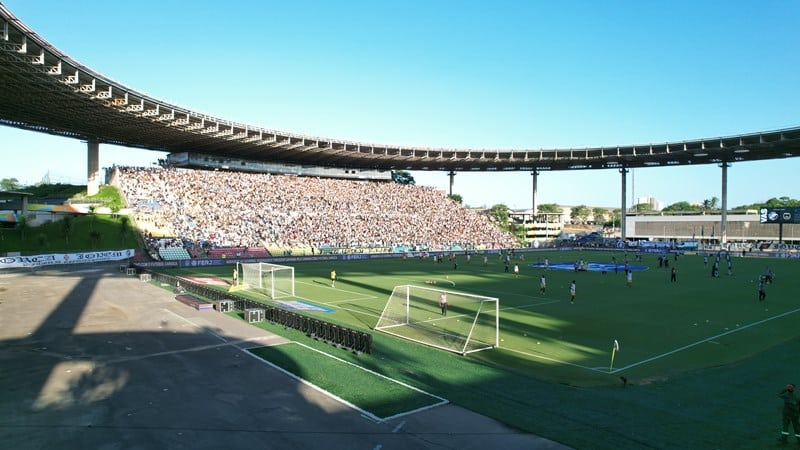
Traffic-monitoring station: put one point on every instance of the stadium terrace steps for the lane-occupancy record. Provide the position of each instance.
(173, 253)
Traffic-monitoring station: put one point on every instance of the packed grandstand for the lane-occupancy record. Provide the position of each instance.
(190, 213)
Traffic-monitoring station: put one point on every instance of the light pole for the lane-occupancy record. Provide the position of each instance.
(744, 231)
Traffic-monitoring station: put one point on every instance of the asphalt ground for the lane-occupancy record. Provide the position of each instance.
(93, 359)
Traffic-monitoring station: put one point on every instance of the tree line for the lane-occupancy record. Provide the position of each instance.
(612, 216)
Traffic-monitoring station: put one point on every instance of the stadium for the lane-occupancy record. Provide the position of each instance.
(262, 288)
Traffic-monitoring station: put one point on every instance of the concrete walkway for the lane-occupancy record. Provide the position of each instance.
(90, 358)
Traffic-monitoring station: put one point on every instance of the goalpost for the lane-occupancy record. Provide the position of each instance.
(274, 280)
(471, 324)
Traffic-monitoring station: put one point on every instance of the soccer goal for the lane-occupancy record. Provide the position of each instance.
(274, 280)
(472, 322)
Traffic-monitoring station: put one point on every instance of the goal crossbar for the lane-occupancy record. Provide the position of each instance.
(471, 322)
(274, 280)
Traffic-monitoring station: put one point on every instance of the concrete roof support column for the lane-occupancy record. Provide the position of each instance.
(452, 175)
(723, 234)
(93, 168)
(623, 209)
(534, 206)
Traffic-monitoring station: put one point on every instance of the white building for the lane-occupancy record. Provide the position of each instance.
(655, 204)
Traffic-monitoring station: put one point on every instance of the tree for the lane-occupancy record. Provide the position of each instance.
(124, 223)
(66, 227)
(599, 215)
(616, 217)
(782, 202)
(579, 213)
(681, 206)
(499, 213)
(41, 239)
(93, 216)
(456, 198)
(22, 226)
(644, 207)
(549, 208)
(402, 177)
(94, 238)
(9, 184)
(711, 203)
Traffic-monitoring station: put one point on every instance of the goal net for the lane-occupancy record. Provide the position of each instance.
(274, 280)
(471, 322)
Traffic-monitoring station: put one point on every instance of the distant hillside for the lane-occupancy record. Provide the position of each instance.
(57, 194)
(53, 193)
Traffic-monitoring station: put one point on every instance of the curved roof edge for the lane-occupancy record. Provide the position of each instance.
(45, 90)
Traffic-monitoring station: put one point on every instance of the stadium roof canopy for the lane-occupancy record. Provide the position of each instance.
(43, 89)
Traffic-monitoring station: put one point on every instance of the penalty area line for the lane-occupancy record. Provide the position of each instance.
(360, 295)
(532, 305)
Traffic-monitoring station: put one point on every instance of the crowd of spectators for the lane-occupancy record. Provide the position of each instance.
(236, 209)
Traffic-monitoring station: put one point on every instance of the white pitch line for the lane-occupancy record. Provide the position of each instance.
(350, 300)
(372, 372)
(186, 350)
(333, 303)
(367, 414)
(363, 412)
(359, 312)
(225, 343)
(532, 305)
(703, 341)
(547, 358)
(362, 295)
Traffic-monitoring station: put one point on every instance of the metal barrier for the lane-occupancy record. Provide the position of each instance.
(357, 341)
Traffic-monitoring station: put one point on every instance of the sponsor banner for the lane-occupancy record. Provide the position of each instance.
(203, 262)
(779, 215)
(353, 257)
(9, 262)
(655, 244)
(591, 267)
(385, 255)
(157, 264)
(303, 258)
(232, 261)
(276, 260)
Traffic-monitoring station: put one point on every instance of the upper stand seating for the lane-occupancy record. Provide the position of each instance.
(173, 253)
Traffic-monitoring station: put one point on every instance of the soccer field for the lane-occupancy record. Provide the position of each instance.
(661, 326)
(702, 355)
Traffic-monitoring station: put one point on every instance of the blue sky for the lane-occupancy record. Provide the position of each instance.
(500, 74)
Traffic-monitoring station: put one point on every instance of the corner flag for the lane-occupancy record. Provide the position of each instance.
(614, 350)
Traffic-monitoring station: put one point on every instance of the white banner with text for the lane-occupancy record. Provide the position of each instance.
(10, 262)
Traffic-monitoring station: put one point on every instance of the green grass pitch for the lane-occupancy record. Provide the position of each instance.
(679, 342)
